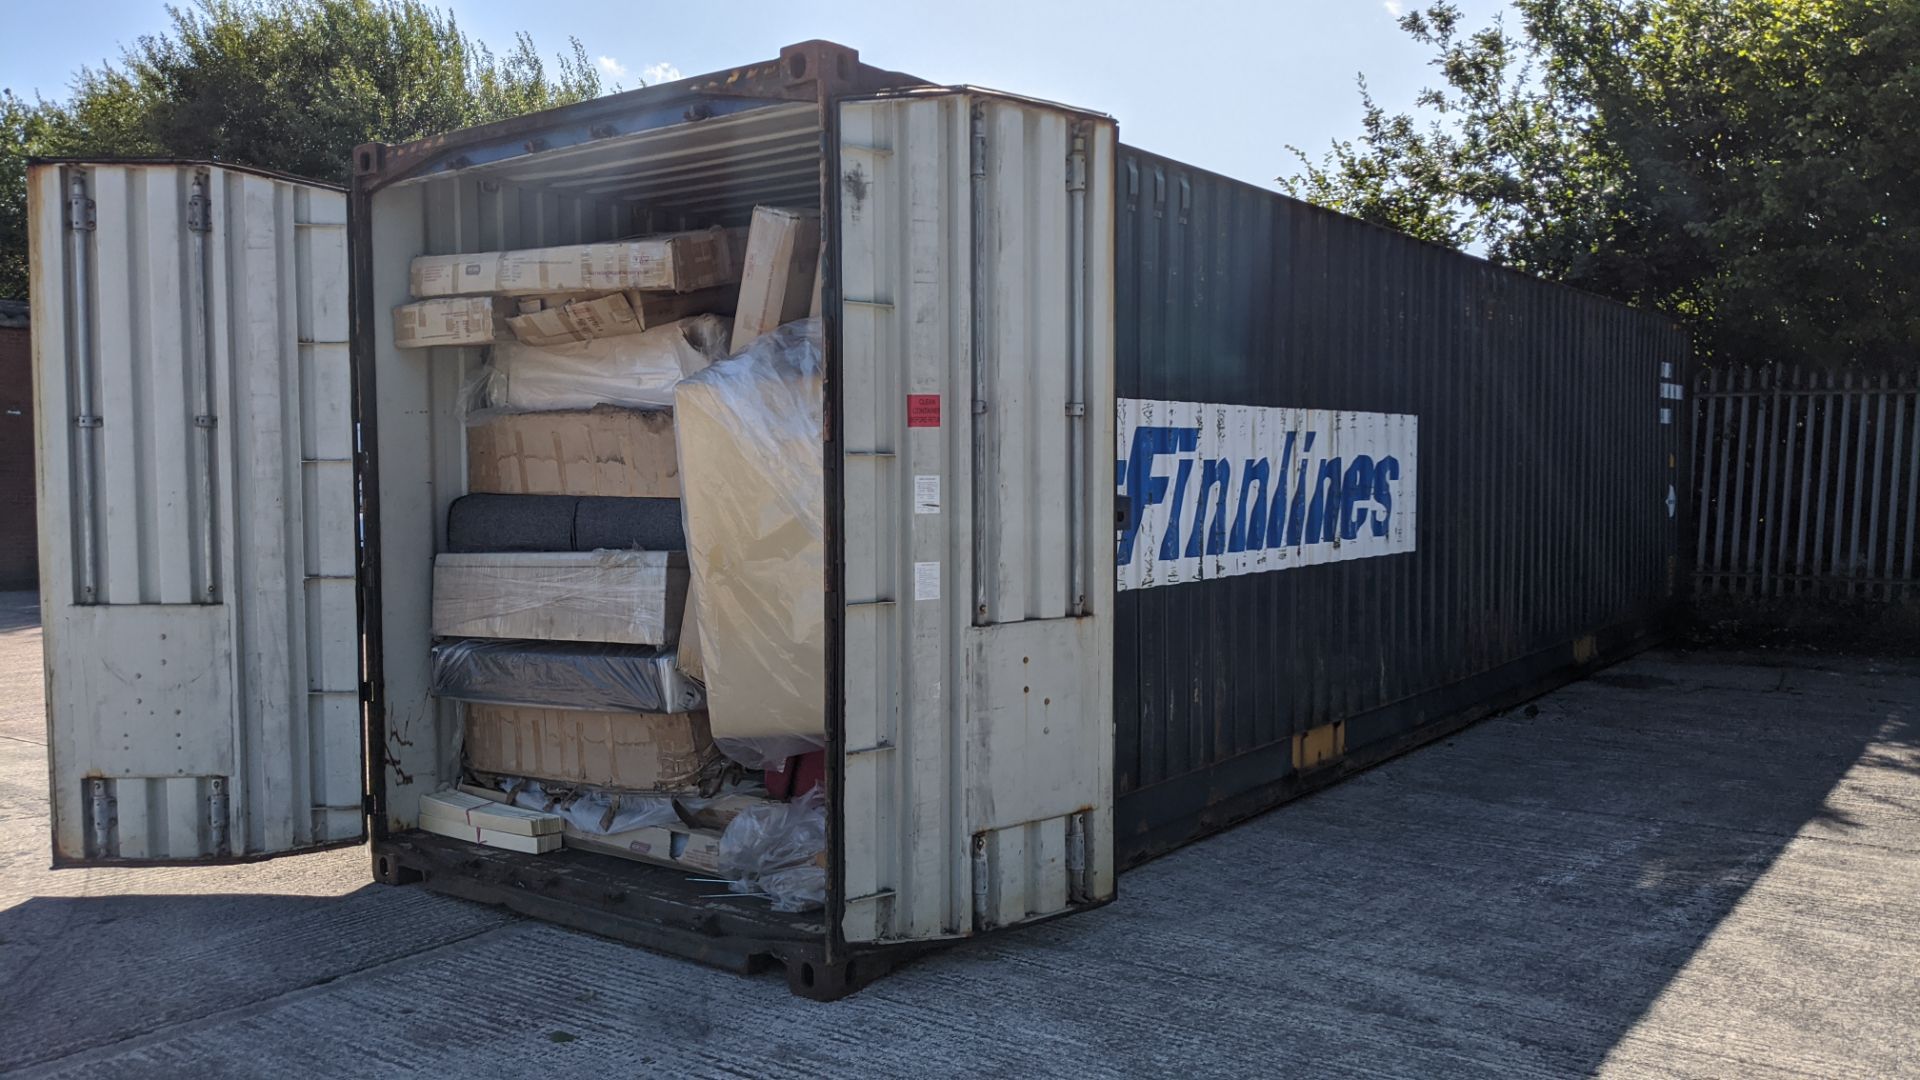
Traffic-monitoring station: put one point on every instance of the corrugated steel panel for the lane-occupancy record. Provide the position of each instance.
(1527, 524)
(977, 787)
(197, 509)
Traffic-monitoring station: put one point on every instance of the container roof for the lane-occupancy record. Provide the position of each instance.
(768, 154)
(808, 74)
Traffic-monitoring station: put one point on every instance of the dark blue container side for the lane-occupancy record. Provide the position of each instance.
(1544, 547)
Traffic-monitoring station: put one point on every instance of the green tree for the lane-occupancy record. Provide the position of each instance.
(1745, 165)
(292, 85)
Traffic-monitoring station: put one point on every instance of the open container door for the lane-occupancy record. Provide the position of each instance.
(197, 536)
(975, 487)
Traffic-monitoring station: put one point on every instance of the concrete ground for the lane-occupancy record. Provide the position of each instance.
(1689, 865)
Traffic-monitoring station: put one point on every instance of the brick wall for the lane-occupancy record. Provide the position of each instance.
(19, 540)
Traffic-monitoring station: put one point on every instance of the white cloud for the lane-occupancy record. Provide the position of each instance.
(1393, 8)
(614, 68)
(659, 73)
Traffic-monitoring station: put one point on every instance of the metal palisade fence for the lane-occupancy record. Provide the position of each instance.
(1808, 484)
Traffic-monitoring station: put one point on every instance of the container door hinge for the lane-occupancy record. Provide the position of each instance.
(1078, 885)
(1076, 409)
(982, 885)
(80, 211)
(204, 422)
(979, 407)
(86, 420)
(103, 819)
(369, 805)
(217, 816)
(199, 211)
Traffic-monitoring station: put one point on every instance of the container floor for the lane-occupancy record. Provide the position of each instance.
(661, 907)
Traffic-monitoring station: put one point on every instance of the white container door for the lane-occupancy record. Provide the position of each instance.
(978, 501)
(197, 538)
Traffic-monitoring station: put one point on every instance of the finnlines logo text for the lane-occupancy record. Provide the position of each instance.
(1221, 490)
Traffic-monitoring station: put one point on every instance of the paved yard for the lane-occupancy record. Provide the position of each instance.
(1689, 865)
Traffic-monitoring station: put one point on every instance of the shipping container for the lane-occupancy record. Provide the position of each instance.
(250, 482)
(245, 482)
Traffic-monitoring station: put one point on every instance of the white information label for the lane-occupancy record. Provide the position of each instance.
(926, 581)
(926, 494)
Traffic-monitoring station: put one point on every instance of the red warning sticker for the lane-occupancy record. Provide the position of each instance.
(923, 410)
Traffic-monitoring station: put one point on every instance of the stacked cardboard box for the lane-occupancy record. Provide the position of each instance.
(569, 329)
(631, 751)
(674, 262)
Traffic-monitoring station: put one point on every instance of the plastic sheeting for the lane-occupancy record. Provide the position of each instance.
(750, 469)
(563, 523)
(636, 597)
(605, 812)
(563, 675)
(630, 370)
(778, 850)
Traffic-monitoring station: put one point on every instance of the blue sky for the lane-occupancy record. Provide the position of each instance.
(1223, 84)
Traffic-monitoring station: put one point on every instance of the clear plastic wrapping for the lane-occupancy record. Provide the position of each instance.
(636, 597)
(629, 370)
(749, 430)
(563, 675)
(602, 812)
(778, 850)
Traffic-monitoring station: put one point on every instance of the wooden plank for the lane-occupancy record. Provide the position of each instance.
(483, 813)
(493, 838)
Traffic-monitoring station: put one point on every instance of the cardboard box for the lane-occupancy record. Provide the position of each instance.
(674, 262)
(459, 320)
(600, 451)
(663, 752)
(566, 318)
(628, 597)
(560, 320)
(776, 284)
(686, 651)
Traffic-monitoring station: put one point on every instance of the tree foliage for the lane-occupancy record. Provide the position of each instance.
(292, 85)
(1745, 165)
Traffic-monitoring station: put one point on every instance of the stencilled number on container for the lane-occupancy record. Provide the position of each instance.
(1222, 490)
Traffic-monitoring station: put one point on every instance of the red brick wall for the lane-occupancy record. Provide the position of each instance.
(19, 540)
